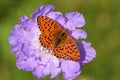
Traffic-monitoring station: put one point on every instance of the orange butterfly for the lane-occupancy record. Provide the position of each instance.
(57, 39)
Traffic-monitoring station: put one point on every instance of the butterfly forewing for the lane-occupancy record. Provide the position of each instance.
(48, 25)
(49, 29)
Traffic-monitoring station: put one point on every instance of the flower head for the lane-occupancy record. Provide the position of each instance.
(32, 56)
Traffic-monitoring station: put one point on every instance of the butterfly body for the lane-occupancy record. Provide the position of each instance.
(56, 38)
(60, 37)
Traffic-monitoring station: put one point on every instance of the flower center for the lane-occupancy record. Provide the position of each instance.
(43, 52)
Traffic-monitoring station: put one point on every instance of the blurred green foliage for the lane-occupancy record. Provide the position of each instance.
(102, 24)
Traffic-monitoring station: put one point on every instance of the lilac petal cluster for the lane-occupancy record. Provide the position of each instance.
(32, 56)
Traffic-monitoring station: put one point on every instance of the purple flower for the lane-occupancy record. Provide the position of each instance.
(32, 56)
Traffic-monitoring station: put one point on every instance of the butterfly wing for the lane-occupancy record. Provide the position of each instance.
(48, 25)
(46, 40)
(49, 29)
(67, 49)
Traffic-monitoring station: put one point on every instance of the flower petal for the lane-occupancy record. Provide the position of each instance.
(74, 19)
(43, 10)
(87, 52)
(55, 68)
(79, 34)
(27, 64)
(57, 16)
(14, 35)
(71, 69)
(38, 71)
(50, 68)
(23, 19)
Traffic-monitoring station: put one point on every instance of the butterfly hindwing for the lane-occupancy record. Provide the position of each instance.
(67, 49)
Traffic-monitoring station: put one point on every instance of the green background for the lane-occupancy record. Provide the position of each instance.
(102, 25)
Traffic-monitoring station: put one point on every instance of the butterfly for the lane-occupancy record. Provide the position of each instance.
(54, 37)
